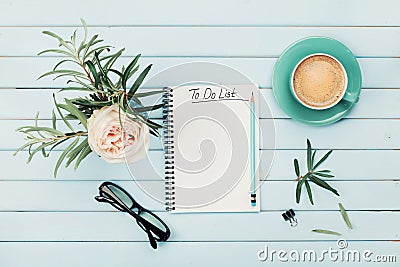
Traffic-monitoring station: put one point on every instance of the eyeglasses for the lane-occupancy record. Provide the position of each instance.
(115, 195)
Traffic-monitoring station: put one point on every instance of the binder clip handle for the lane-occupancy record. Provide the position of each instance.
(289, 216)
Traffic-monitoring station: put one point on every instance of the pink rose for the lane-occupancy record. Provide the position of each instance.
(113, 143)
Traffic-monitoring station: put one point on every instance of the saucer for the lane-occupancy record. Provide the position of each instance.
(285, 65)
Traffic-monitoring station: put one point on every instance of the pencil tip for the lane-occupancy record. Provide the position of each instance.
(252, 97)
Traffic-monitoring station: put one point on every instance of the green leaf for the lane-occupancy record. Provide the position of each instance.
(313, 158)
(145, 109)
(84, 153)
(82, 76)
(73, 39)
(327, 232)
(116, 72)
(70, 117)
(68, 72)
(100, 48)
(133, 72)
(57, 51)
(86, 85)
(93, 70)
(36, 124)
(85, 29)
(324, 175)
(65, 61)
(152, 124)
(91, 42)
(44, 153)
(310, 197)
(136, 100)
(326, 171)
(39, 148)
(112, 59)
(120, 107)
(76, 112)
(61, 115)
(62, 42)
(296, 167)
(128, 70)
(309, 159)
(345, 216)
(298, 191)
(76, 89)
(90, 103)
(74, 153)
(156, 134)
(53, 119)
(323, 184)
(49, 130)
(64, 154)
(299, 186)
(103, 72)
(138, 95)
(323, 159)
(139, 81)
(58, 143)
(24, 146)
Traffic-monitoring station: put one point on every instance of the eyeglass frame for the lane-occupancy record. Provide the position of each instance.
(154, 233)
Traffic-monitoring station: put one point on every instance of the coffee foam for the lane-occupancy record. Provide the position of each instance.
(319, 81)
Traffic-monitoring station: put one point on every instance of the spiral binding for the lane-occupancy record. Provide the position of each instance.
(168, 132)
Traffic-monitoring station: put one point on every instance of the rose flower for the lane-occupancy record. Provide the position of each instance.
(116, 144)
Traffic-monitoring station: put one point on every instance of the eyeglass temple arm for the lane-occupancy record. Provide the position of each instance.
(102, 199)
(152, 240)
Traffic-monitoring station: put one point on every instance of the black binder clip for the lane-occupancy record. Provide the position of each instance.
(289, 216)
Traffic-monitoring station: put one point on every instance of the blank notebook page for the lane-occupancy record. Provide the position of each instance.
(211, 148)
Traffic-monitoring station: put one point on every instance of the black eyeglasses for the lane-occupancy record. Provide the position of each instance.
(115, 195)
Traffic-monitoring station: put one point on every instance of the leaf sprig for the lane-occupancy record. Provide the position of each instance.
(313, 175)
(89, 66)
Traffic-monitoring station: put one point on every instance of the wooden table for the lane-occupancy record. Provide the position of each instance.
(56, 222)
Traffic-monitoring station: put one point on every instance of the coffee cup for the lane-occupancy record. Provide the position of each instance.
(319, 81)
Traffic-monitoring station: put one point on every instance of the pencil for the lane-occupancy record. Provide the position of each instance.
(252, 152)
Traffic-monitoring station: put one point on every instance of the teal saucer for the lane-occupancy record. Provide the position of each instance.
(287, 62)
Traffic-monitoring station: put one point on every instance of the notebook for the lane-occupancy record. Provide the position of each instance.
(208, 150)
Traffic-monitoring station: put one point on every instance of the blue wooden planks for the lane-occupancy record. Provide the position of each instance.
(56, 222)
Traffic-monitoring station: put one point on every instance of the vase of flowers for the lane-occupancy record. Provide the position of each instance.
(111, 119)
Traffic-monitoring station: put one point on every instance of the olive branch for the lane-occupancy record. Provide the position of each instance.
(312, 174)
(91, 70)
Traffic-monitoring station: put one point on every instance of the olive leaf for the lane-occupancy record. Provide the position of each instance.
(296, 167)
(64, 154)
(327, 232)
(312, 174)
(345, 216)
(309, 160)
(309, 192)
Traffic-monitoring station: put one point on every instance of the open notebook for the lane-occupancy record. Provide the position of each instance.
(208, 149)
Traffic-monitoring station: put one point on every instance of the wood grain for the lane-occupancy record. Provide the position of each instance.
(275, 195)
(95, 226)
(241, 253)
(385, 102)
(56, 222)
(206, 41)
(178, 12)
(366, 166)
(376, 72)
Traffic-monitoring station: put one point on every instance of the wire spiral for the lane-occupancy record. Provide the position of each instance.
(168, 132)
